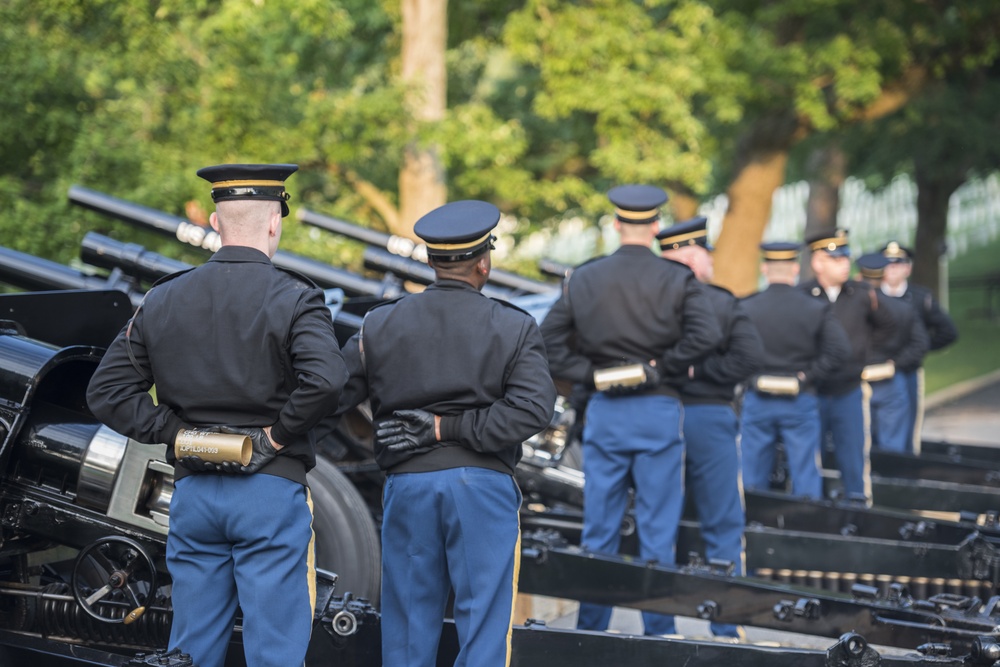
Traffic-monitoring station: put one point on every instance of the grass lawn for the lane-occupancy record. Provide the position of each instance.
(977, 351)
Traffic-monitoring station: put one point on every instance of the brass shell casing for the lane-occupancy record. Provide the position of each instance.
(619, 376)
(213, 447)
(878, 372)
(779, 385)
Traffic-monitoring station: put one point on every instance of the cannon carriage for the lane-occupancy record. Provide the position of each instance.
(54, 535)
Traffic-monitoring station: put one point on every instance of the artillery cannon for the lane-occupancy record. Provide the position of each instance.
(346, 457)
(34, 273)
(324, 275)
(406, 248)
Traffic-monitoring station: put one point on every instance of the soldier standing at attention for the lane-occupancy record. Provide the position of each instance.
(843, 404)
(456, 382)
(234, 346)
(631, 325)
(711, 427)
(940, 328)
(804, 344)
(889, 360)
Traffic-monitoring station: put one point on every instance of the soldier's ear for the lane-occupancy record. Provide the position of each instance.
(274, 223)
(213, 220)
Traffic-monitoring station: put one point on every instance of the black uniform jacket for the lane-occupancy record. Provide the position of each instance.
(800, 334)
(450, 350)
(234, 342)
(627, 307)
(940, 327)
(737, 357)
(857, 310)
(909, 341)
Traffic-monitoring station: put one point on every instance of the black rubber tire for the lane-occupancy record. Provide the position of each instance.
(347, 540)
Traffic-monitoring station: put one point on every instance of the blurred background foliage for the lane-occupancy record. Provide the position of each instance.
(549, 102)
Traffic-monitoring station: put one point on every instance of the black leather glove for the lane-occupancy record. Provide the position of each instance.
(197, 464)
(408, 430)
(653, 376)
(263, 450)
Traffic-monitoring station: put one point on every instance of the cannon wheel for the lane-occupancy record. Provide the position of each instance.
(347, 541)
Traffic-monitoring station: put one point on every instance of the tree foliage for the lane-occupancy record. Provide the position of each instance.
(549, 102)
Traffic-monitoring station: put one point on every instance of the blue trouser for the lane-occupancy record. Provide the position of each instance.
(712, 455)
(891, 418)
(791, 420)
(843, 418)
(632, 441)
(912, 381)
(449, 530)
(247, 540)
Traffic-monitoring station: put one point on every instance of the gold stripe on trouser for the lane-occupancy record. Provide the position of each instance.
(743, 503)
(311, 559)
(866, 410)
(513, 590)
(918, 424)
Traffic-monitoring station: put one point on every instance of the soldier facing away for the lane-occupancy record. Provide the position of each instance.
(803, 346)
(457, 381)
(711, 427)
(234, 346)
(895, 357)
(631, 325)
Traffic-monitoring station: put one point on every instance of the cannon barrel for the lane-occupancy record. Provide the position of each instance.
(32, 273)
(418, 272)
(550, 267)
(322, 274)
(133, 260)
(404, 247)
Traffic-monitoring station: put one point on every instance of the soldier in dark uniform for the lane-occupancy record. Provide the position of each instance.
(234, 346)
(803, 345)
(711, 427)
(631, 325)
(889, 360)
(940, 327)
(456, 382)
(842, 401)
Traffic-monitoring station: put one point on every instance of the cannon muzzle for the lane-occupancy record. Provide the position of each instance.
(408, 249)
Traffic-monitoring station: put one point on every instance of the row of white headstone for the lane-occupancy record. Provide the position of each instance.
(873, 217)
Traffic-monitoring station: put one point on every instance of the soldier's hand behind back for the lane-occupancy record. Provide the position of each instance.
(409, 429)
(263, 450)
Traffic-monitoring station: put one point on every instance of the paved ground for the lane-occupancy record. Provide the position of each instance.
(973, 418)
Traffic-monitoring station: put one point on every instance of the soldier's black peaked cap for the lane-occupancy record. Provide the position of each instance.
(897, 252)
(779, 251)
(872, 264)
(833, 242)
(458, 230)
(250, 181)
(637, 204)
(689, 232)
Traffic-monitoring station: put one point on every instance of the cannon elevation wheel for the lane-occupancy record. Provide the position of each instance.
(347, 541)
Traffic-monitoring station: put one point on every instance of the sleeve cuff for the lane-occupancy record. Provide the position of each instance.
(449, 427)
(281, 435)
(173, 426)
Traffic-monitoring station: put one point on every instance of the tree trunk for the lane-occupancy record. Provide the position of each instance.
(683, 205)
(934, 189)
(827, 168)
(761, 159)
(421, 180)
